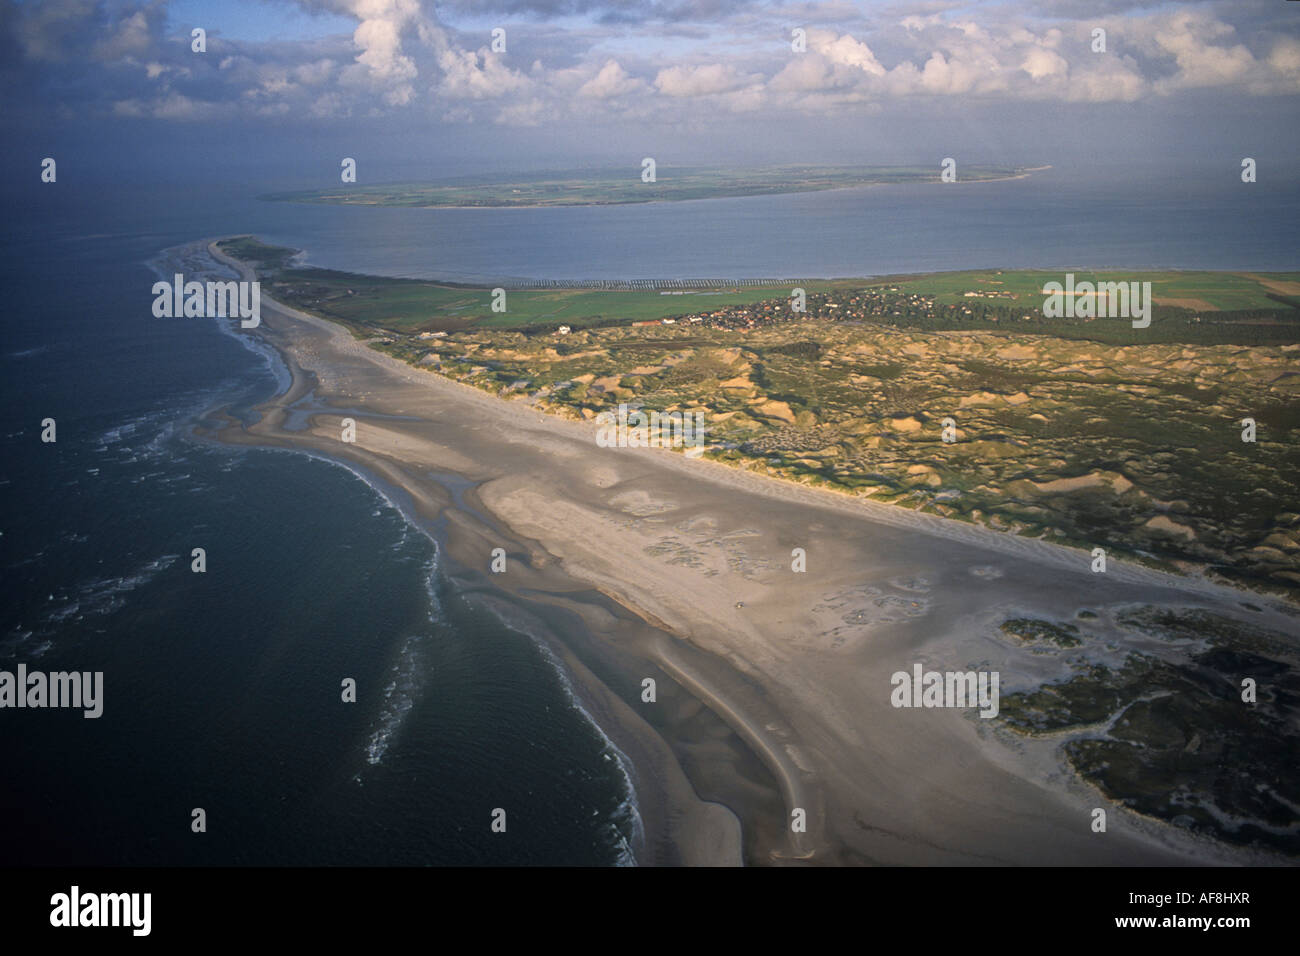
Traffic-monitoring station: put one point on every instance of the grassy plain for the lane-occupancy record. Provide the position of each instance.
(413, 305)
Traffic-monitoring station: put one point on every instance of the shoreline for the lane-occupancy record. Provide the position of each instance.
(723, 657)
(696, 832)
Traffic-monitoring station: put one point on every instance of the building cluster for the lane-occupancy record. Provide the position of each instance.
(873, 304)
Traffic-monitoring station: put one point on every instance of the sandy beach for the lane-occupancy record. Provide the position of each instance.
(773, 685)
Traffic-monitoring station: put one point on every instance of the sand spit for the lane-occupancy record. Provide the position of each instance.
(643, 563)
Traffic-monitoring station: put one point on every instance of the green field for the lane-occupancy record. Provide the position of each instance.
(624, 185)
(1217, 290)
(402, 305)
(410, 306)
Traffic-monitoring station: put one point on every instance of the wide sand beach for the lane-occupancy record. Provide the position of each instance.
(773, 686)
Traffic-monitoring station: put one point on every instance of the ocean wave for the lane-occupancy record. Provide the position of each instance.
(16, 640)
(399, 697)
(410, 521)
(400, 693)
(402, 690)
(118, 433)
(406, 682)
(148, 438)
(104, 596)
(628, 811)
(28, 353)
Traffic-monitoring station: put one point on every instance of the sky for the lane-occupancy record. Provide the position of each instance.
(414, 90)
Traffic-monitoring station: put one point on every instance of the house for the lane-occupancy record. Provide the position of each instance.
(563, 330)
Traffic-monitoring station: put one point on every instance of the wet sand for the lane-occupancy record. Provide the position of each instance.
(773, 685)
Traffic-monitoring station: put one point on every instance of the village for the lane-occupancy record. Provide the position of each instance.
(873, 303)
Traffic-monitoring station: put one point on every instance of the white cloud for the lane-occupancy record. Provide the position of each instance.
(846, 51)
(1043, 63)
(525, 113)
(1284, 60)
(477, 76)
(316, 73)
(612, 81)
(711, 78)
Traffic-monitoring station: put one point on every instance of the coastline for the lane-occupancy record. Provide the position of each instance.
(678, 827)
(813, 709)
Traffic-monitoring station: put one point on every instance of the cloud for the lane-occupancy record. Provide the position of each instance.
(315, 73)
(477, 76)
(846, 51)
(706, 80)
(610, 82)
(1042, 63)
(51, 31)
(1284, 60)
(526, 113)
(1186, 37)
(130, 37)
(93, 56)
(174, 107)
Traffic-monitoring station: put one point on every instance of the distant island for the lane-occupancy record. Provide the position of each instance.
(603, 187)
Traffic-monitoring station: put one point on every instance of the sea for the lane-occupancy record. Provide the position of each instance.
(223, 689)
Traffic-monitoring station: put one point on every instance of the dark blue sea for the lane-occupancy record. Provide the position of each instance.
(223, 688)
